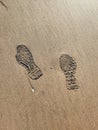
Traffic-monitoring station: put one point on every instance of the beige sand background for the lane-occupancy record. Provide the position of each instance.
(49, 28)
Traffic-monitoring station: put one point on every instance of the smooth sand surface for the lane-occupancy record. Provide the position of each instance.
(49, 28)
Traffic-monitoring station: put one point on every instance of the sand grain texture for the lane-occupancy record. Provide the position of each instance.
(49, 28)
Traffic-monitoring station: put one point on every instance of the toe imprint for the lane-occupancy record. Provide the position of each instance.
(68, 66)
(24, 57)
